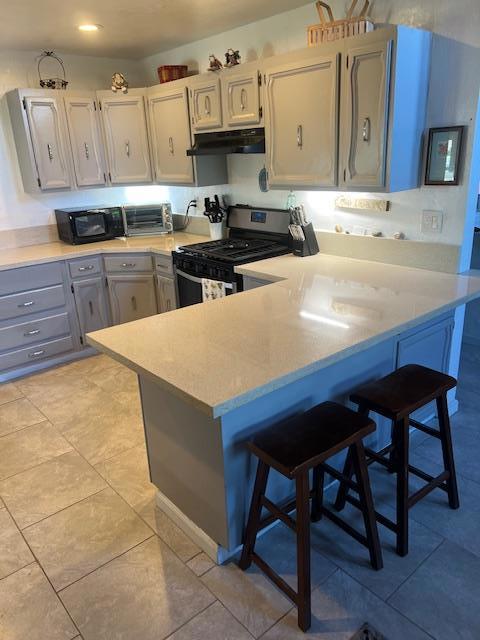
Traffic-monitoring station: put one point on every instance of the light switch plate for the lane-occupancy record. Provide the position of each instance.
(432, 221)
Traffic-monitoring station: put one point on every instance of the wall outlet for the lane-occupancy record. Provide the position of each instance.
(432, 221)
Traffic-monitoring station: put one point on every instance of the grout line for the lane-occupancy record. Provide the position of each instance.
(28, 426)
(17, 570)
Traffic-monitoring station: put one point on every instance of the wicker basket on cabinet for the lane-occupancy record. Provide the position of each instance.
(331, 29)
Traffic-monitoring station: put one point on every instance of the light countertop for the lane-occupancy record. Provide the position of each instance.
(321, 309)
(35, 254)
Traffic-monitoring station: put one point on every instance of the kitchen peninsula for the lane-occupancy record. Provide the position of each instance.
(319, 327)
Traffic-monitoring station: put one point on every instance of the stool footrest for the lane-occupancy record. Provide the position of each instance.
(422, 427)
(339, 476)
(279, 513)
(273, 575)
(424, 491)
(378, 456)
(344, 525)
(380, 518)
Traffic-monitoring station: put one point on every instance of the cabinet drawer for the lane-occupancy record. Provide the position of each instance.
(21, 304)
(32, 354)
(164, 265)
(20, 335)
(86, 267)
(23, 278)
(128, 263)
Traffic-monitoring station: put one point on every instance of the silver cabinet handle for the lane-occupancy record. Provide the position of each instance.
(208, 106)
(50, 152)
(88, 267)
(87, 151)
(366, 130)
(128, 265)
(90, 306)
(127, 148)
(170, 145)
(300, 136)
(26, 304)
(134, 303)
(243, 99)
(33, 332)
(36, 354)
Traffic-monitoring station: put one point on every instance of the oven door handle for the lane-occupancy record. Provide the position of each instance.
(182, 274)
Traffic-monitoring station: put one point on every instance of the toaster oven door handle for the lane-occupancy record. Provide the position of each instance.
(187, 276)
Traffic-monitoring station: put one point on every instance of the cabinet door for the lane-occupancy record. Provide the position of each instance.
(126, 139)
(131, 297)
(167, 299)
(49, 142)
(90, 302)
(241, 99)
(85, 141)
(170, 137)
(365, 120)
(301, 123)
(206, 107)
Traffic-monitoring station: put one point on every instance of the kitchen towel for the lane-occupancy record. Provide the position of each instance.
(212, 289)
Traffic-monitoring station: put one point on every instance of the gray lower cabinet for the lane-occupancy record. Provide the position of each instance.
(131, 297)
(91, 304)
(167, 299)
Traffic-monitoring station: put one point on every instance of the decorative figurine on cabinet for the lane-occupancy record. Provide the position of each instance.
(232, 58)
(215, 64)
(119, 83)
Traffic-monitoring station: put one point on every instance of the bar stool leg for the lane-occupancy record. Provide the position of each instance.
(401, 461)
(343, 489)
(303, 551)
(447, 451)
(366, 500)
(254, 515)
(317, 500)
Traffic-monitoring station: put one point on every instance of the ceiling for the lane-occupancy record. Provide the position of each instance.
(132, 28)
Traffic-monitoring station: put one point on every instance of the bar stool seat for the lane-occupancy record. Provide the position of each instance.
(404, 391)
(397, 396)
(294, 447)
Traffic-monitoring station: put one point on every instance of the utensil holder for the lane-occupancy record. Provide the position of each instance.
(308, 247)
(216, 230)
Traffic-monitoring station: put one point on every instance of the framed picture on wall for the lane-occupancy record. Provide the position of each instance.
(443, 155)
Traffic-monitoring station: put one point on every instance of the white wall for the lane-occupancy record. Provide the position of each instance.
(453, 99)
(18, 69)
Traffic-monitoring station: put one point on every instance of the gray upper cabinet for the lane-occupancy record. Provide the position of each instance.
(49, 141)
(126, 139)
(205, 103)
(131, 297)
(241, 98)
(91, 304)
(170, 135)
(365, 92)
(301, 122)
(85, 140)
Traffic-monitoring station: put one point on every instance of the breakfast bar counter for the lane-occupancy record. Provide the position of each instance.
(212, 374)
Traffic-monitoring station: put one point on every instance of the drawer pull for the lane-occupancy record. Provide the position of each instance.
(33, 332)
(134, 303)
(90, 306)
(26, 304)
(89, 267)
(366, 130)
(128, 265)
(36, 354)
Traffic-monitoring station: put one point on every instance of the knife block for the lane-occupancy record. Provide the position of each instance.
(308, 247)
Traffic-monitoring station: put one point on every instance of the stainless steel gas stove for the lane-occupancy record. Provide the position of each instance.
(254, 234)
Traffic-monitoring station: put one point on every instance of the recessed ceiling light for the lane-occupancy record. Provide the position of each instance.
(90, 27)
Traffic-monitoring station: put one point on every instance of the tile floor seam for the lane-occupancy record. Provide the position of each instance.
(459, 474)
(35, 424)
(37, 561)
(190, 620)
(33, 524)
(104, 564)
(18, 569)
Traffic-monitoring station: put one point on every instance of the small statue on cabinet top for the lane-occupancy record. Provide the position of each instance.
(232, 58)
(215, 64)
(119, 83)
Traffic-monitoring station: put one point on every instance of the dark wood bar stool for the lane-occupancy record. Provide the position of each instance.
(293, 448)
(396, 397)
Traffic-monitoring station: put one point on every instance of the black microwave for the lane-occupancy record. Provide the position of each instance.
(79, 226)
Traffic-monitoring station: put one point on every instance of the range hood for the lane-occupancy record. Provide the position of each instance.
(224, 142)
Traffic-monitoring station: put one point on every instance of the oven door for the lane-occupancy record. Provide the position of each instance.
(91, 225)
(189, 288)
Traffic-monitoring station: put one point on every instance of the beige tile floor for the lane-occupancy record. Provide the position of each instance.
(86, 555)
